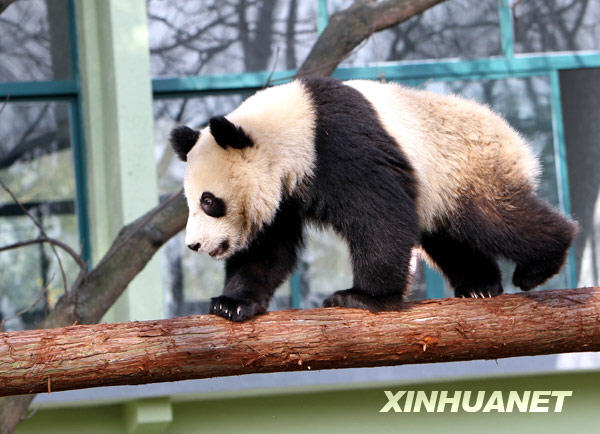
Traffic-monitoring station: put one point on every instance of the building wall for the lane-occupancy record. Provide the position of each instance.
(341, 409)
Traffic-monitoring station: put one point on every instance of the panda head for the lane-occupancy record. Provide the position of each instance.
(228, 186)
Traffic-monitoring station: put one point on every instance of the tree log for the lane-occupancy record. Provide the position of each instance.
(203, 346)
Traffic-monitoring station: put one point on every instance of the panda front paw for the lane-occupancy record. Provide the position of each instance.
(234, 309)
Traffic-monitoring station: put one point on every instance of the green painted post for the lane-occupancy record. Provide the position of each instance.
(506, 28)
(78, 143)
(117, 111)
(560, 162)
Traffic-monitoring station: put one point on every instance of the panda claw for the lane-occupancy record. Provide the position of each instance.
(235, 309)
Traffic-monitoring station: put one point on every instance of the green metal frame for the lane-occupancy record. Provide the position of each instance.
(415, 73)
(78, 140)
(560, 162)
(67, 91)
(407, 72)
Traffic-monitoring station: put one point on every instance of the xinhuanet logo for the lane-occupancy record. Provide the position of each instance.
(534, 401)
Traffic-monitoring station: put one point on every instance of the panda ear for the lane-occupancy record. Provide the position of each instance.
(182, 140)
(227, 134)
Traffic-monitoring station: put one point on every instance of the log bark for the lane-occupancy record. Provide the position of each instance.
(445, 330)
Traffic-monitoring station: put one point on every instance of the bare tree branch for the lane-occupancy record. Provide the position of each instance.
(42, 231)
(348, 28)
(134, 246)
(41, 296)
(52, 241)
(4, 4)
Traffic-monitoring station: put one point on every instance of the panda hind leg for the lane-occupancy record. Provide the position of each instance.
(358, 298)
(380, 280)
(537, 240)
(471, 272)
(381, 249)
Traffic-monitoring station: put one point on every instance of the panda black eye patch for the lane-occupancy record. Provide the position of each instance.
(211, 205)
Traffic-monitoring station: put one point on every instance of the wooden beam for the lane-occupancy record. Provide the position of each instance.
(203, 346)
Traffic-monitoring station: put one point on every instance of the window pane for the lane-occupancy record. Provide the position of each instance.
(213, 37)
(34, 41)
(525, 103)
(556, 25)
(36, 163)
(450, 29)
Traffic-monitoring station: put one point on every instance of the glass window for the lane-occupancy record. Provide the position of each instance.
(450, 29)
(34, 41)
(525, 103)
(36, 163)
(556, 25)
(212, 36)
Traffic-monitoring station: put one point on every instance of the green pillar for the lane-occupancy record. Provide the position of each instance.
(118, 119)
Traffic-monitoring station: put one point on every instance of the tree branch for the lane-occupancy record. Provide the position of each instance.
(453, 329)
(52, 241)
(4, 4)
(44, 235)
(134, 246)
(348, 28)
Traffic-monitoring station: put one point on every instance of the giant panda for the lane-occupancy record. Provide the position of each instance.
(389, 168)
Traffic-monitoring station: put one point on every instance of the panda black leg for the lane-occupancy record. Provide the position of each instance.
(252, 275)
(381, 250)
(471, 273)
(527, 230)
(541, 241)
(358, 298)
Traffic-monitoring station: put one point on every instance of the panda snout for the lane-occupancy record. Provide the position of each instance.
(194, 246)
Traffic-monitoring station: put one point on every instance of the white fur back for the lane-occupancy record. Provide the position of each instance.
(456, 146)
